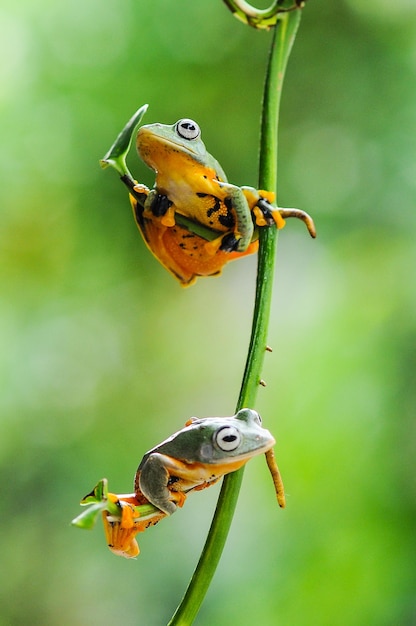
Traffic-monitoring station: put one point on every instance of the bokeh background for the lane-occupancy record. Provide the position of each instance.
(103, 355)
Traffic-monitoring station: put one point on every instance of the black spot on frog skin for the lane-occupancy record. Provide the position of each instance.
(226, 219)
(160, 205)
(215, 208)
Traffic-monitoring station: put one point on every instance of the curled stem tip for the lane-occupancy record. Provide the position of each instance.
(262, 18)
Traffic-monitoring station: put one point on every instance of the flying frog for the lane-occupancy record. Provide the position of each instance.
(193, 458)
(193, 220)
(199, 455)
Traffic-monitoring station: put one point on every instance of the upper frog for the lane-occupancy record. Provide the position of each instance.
(198, 455)
(191, 183)
(187, 175)
(193, 220)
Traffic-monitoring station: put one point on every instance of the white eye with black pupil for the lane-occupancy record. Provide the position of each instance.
(188, 129)
(228, 438)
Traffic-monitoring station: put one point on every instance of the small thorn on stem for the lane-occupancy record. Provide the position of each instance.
(269, 349)
(262, 382)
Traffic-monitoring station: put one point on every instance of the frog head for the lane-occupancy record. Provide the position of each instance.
(218, 440)
(198, 455)
(162, 146)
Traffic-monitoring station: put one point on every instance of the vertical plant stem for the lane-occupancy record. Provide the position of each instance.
(283, 37)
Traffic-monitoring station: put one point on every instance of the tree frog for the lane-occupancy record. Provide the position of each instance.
(191, 459)
(193, 220)
(198, 455)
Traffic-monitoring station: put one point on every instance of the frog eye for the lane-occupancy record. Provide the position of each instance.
(228, 438)
(257, 418)
(188, 129)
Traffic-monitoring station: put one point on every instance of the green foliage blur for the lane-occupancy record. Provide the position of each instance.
(104, 355)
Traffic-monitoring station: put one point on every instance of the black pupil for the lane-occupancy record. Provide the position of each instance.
(230, 438)
(188, 126)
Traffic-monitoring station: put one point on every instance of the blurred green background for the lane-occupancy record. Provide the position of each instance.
(104, 355)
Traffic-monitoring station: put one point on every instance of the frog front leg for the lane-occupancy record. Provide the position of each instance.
(240, 238)
(154, 477)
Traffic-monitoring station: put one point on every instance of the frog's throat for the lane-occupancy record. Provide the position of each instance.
(181, 148)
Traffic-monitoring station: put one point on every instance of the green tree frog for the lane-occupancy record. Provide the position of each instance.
(199, 455)
(193, 220)
(191, 459)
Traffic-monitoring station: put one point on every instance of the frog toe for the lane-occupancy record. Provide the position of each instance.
(120, 539)
(267, 215)
(213, 246)
(141, 189)
(160, 206)
(230, 243)
(225, 243)
(178, 497)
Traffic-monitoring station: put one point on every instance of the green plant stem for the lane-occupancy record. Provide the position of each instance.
(281, 45)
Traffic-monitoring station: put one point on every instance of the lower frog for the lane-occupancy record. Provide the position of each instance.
(193, 458)
(199, 455)
(193, 220)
